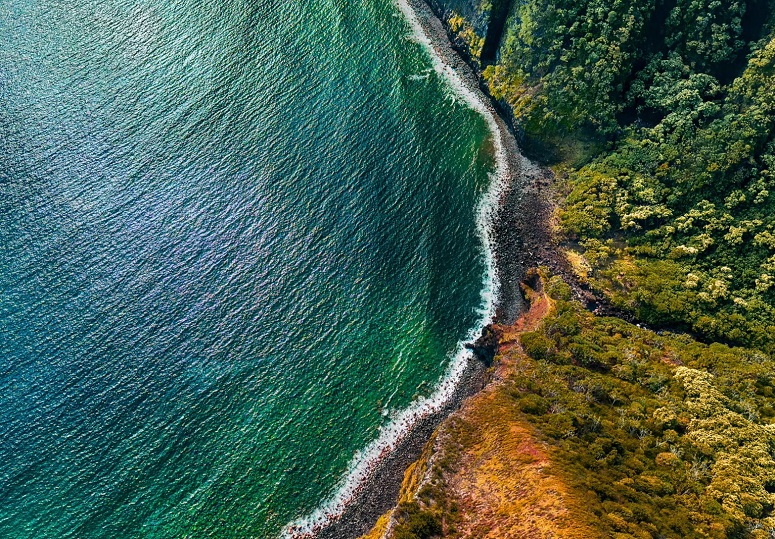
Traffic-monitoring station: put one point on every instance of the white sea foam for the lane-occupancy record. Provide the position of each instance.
(365, 462)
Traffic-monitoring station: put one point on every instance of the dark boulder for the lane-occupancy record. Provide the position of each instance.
(486, 346)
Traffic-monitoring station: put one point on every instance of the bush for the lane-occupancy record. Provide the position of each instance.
(672, 436)
(533, 404)
(416, 522)
(536, 345)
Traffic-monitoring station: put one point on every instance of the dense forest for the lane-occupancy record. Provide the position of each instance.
(667, 437)
(658, 116)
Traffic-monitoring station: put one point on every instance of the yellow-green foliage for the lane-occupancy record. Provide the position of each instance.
(742, 448)
(466, 32)
(678, 223)
(510, 86)
(672, 208)
(668, 437)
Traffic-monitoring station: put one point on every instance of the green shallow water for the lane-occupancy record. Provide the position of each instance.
(234, 236)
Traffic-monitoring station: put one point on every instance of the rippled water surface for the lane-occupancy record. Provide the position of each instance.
(234, 235)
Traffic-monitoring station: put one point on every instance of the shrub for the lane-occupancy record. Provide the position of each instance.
(416, 522)
(536, 345)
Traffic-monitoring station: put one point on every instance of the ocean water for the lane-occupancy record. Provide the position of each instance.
(236, 238)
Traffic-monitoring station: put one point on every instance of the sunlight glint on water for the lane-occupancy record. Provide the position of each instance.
(234, 234)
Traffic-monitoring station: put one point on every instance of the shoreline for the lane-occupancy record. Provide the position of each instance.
(522, 237)
(517, 239)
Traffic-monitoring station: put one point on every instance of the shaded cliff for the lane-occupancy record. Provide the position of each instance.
(476, 26)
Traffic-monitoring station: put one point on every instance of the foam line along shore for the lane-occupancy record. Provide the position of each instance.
(371, 484)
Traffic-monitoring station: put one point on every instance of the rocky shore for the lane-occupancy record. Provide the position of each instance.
(521, 241)
(523, 228)
(380, 493)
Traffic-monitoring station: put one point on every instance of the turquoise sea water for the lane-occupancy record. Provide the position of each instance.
(234, 235)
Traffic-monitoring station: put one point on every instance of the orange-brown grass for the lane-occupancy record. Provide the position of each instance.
(501, 480)
(485, 471)
(378, 531)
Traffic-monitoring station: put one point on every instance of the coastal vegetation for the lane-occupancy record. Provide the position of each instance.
(667, 437)
(600, 428)
(658, 118)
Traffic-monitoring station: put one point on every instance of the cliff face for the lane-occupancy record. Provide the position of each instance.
(497, 24)
(475, 25)
(475, 12)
